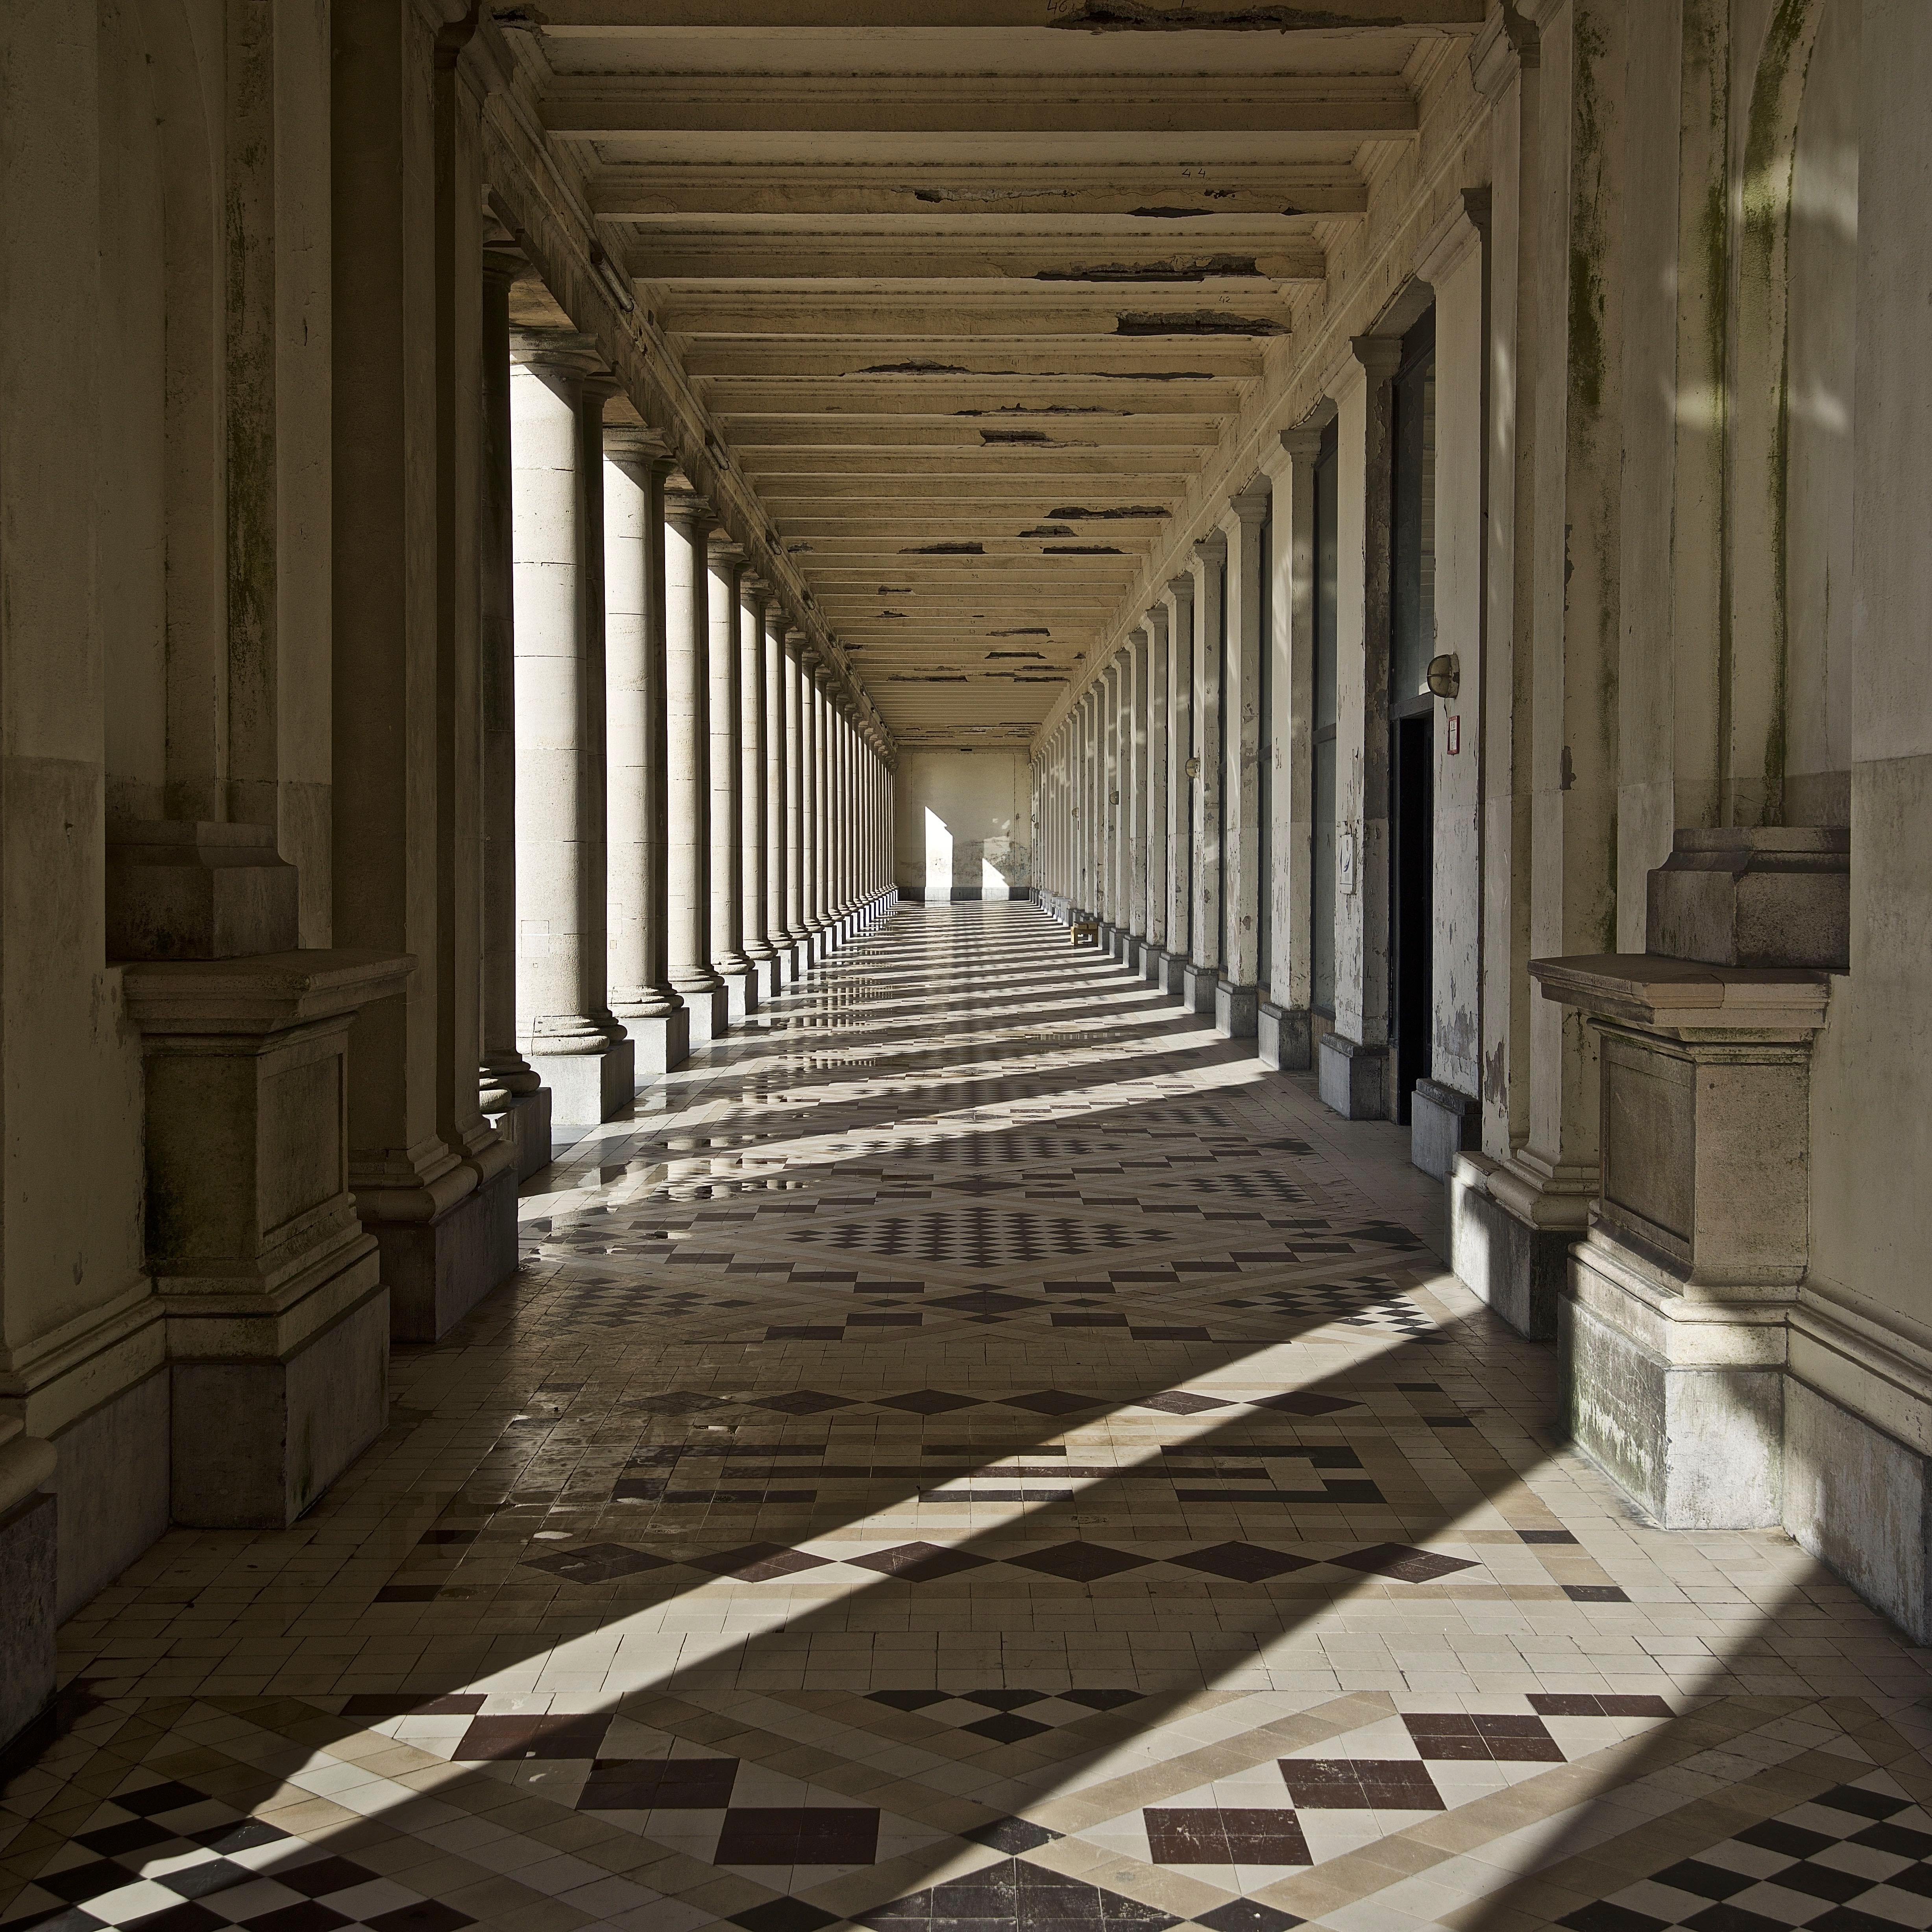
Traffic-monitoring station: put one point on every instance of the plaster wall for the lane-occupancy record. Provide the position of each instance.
(962, 825)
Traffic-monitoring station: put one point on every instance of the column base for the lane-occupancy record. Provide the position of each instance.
(256, 1442)
(709, 1016)
(1133, 952)
(818, 944)
(791, 962)
(436, 1271)
(1352, 1079)
(1442, 1123)
(1236, 1010)
(741, 992)
(586, 1089)
(766, 978)
(111, 1477)
(1281, 1036)
(1197, 985)
(1171, 975)
(1151, 956)
(659, 1041)
(525, 1124)
(29, 1559)
(1514, 1265)
(1679, 1398)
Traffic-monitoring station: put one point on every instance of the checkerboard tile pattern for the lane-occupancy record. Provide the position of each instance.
(973, 1451)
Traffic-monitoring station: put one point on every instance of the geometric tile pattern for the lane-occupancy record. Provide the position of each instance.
(975, 1451)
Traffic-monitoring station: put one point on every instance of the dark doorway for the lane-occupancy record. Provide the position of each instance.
(1411, 936)
(1412, 716)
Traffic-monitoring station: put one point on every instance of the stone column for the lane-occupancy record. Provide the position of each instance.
(1154, 822)
(797, 934)
(687, 523)
(564, 1019)
(758, 948)
(725, 562)
(810, 851)
(777, 794)
(512, 1092)
(1134, 795)
(1182, 766)
(1352, 1061)
(1237, 993)
(642, 999)
(1107, 821)
(1204, 951)
(1283, 1016)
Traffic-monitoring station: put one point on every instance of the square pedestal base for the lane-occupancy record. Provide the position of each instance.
(1235, 1010)
(525, 1124)
(710, 1016)
(1150, 959)
(111, 1479)
(586, 1089)
(1281, 1036)
(1443, 1123)
(27, 1551)
(740, 993)
(659, 1041)
(1197, 985)
(1680, 1401)
(255, 1443)
(1351, 1078)
(766, 978)
(1517, 1270)
(1130, 953)
(436, 1271)
(1171, 975)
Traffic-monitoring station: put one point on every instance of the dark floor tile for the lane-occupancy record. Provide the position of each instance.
(1003, 1700)
(784, 1915)
(306, 1916)
(210, 1875)
(1874, 1804)
(1545, 1536)
(133, 1834)
(1247, 1915)
(597, 1563)
(407, 1593)
(1401, 1563)
(1053, 1401)
(1359, 1784)
(500, 1740)
(1204, 1836)
(1299, 1402)
(928, 1402)
(758, 1563)
(801, 1402)
(1244, 1562)
(1604, 1917)
(1821, 1881)
(1181, 1402)
(1007, 1727)
(1916, 1879)
(1594, 1593)
(189, 1917)
(659, 1784)
(1079, 1562)
(1102, 1700)
(152, 1800)
(1722, 1917)
(1011, 1834)
(798, 1835)
(427, 1915)
(1793, 1840)
(805, 1333)
(907, 1700)
(58, 1919)
(1692, 1875)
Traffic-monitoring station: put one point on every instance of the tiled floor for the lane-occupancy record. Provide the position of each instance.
(976, 1452)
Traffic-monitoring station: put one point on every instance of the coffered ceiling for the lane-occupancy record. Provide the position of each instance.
(971, 290)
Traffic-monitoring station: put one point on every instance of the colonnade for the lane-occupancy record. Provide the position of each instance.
(686, 814)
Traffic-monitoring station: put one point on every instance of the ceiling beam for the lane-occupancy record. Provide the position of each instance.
(841, 255)
(1073, 17)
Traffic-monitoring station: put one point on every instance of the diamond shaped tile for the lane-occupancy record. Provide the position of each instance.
(597, 1563)
(1079, 1562)
(1296, 1402)
(758, 1562)
(801, 1402)
(1053, 1401)
(1401, 1563)
(1243, 1562)
(919, 1562)
(928, 1402)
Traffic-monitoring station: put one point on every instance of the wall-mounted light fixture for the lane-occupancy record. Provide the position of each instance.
(1194, 768)
(1445, 675)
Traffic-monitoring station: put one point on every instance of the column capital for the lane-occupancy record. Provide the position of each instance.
(503, 265)
(558, 351)
(721, 548)
(636, 443)
(1379, 355)
(684, 506)
(1212, 548)
(1452, 239)
(1302, 443)
(753, 590)
(1182, 588)
(1156, 622)
(1252, 504)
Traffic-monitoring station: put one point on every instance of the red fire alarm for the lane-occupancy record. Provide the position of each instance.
(1455, 729)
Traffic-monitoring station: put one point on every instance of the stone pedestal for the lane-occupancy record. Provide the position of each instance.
(525, 1122)
(1171, 975)
(28, 1549)
(1673, 1325)
(1197, 985)
(659, 1041)
(1511, 1226)
(277, 1317)
(1236, 1010)
(1746, 896)
(1443, 1123)
(588, 1085)
(1352, 1079)
(740, 989)
(1281, 1036)
(707, 1016)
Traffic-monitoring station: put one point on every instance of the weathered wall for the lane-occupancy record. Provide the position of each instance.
(962, 823)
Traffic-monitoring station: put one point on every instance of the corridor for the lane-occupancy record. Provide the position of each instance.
(973, 1448)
